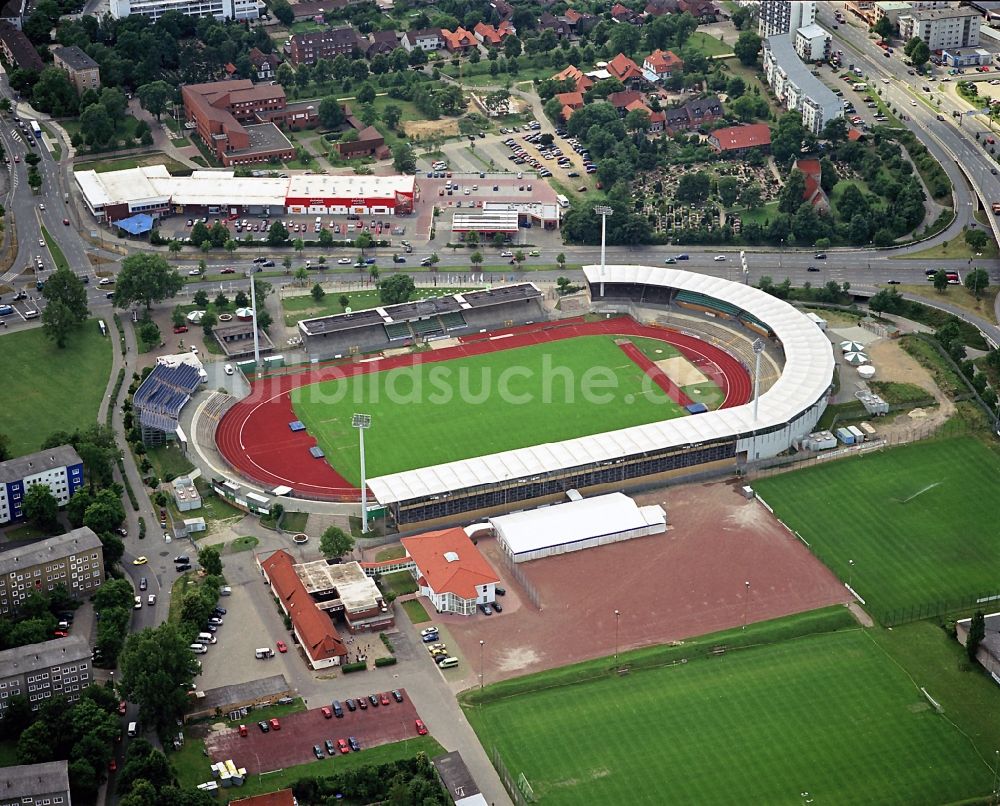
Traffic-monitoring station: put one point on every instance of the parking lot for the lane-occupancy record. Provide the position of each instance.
(293, 743)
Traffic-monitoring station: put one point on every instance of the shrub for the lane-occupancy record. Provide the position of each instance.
(385, 661)
(347, 668)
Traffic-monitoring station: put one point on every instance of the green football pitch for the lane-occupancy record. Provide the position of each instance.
(443, 411)
(821, 719)
(918, 522)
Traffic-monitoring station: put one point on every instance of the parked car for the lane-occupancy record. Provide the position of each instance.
(383, 698)
(342, 746)
(486, 609)
(373, 699)
(264, 727)
(329, 747)
(397, 695)
(354, 743)
(429, 631)
(317, 751)
(421, 728)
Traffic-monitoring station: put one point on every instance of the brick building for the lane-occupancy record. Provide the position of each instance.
(738, 140)
(311, 47)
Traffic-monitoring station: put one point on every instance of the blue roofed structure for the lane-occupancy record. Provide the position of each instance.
(160, 398)
(138, 224)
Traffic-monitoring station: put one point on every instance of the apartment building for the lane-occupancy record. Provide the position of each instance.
(796, 87)
(75, 560)
(17, 49)
(942, 28)
(61, 469)
(782, 17)
(83, 71)
(45, 784)
(61, 666)
(155, 9)
(311, 47)
(812, 43)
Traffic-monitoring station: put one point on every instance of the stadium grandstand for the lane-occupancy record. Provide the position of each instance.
(717, 440)
(160, 398)
(409, 322)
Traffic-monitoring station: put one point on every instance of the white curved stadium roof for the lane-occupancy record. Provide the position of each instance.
(806, 377)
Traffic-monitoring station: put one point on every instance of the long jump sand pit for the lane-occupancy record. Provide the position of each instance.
(681, 371)
(686, 582)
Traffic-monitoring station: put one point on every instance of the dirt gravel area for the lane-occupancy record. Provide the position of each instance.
(895, 364)
(293, 743)
(686, 582)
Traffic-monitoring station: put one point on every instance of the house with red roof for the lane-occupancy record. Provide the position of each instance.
(620, 13)
(450, 571)
(738, 140)
(493, 37)
(459, 40)
(583, 82)
(580, 22)
(814, 193)
(663, 63)
(313, 627)
(626, 71)
(571, 101)
(621, 100)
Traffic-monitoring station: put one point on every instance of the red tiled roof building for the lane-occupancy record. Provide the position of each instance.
(736, 140)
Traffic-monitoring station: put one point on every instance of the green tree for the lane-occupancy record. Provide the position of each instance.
(403, 158)
(330, 112)
(277, 234)
(302, 274)
(364, 241)
(210, 560)
(976, 239)
(693, 188)
(977, 632)
(920, 54)
(396, 289)
(105, 513)
(153, 97)
(96, 126)
(344, 301)
(747, 47)
(41, 508)
(325, 238)
(146, 278)
(114, 103)
(5, 451)
(728, 188)
(786, 139)
(391, 116)
(156, 670)
(335, 542)
(58, 322)
(208, 321)
(977, 282)
(318, 293)
(200, 298)
(282, 12)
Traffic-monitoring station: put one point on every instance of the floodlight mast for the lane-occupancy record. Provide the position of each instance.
(363, 422)
(603, 211)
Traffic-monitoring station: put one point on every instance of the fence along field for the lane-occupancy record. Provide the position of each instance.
(827, 718)
(421, 415)
(918, 521)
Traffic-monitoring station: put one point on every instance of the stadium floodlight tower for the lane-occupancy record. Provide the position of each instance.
(363, 422)
(256, 337)
(603, 211)
(758, 348)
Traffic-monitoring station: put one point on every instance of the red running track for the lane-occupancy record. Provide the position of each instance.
(655, 374)
(254, 437)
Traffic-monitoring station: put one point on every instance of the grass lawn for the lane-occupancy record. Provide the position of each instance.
(758, 215)
(159, 158)
(24, 532)
(416, 611)
(928, 543)
(709, 45)
(958, 295)
(827, 718)
(426, 414)
(243, 544)
(393, 553)
(191, 765)
(58, 258)
(303, 306)
(398, 582)
(46, 389)
(295, 521)
(169, 459)
(954, 249)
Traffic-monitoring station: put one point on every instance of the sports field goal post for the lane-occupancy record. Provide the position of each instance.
(525, 788)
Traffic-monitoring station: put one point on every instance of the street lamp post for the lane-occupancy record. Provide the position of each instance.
(603, 211)
(363, 422)
(617, 616)
(746, 604)
(482, 645)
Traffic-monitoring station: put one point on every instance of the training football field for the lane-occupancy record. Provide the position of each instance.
(919, 521)
(820, 719)
(439, 412)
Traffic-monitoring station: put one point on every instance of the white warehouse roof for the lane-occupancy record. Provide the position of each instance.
(575, 521)
(804, 380)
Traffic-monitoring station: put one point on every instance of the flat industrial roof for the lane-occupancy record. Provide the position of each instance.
(573, 521)
(320, 186)
(805, 379)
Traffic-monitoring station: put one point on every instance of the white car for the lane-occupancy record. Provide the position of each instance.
(428, 631)
(718, 258)
(41, 206)
(194, 349)
(105, 281)
(344, 261)
(151, 599)
(41, 243)
(228, 369)
(194, 272)
(913, 103)
(507, 254)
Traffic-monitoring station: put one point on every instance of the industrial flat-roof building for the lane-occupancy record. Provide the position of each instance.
(345, 588)
(578, 524)
(154, 9)
(61, 469)
(115, 195)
